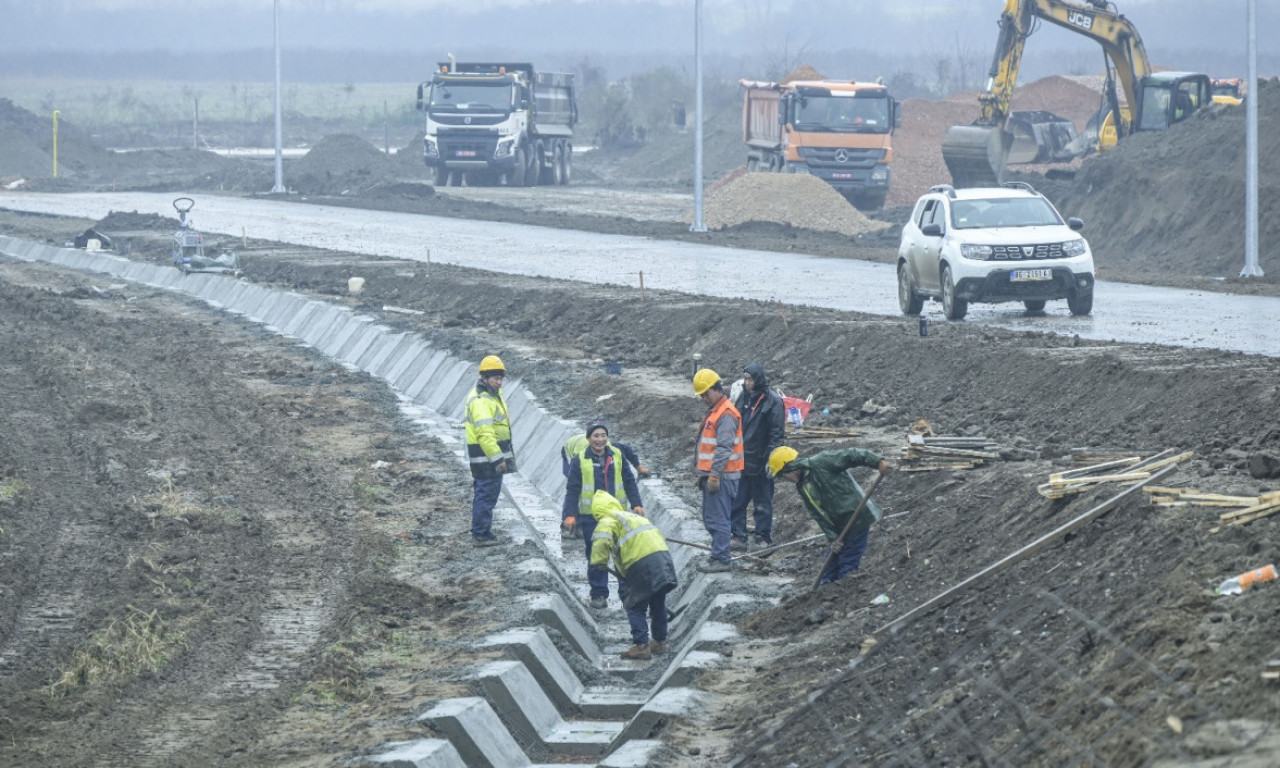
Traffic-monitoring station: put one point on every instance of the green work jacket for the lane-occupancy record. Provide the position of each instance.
(831, 494)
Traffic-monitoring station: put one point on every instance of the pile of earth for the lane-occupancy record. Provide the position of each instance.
(791, 200)
(1174, 200)
(345, 164)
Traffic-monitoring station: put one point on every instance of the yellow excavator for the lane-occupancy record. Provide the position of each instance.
(976, 154)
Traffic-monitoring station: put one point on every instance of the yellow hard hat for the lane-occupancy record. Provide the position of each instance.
(704, 379)
(490, 364)
(781, 457)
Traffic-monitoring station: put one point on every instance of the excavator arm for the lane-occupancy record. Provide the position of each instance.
(976, 154)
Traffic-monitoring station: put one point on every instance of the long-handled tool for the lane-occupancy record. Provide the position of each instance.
(838, 544)
(775, 547)
(670, 540)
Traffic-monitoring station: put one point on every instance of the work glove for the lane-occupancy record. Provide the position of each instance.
(642, 472)
(639, 510)
(883, 467)
(713, 484)
(501, 467)
(570, 526)
(836, 546)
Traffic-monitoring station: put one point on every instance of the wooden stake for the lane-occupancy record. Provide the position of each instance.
(785, 325)
(642, 280)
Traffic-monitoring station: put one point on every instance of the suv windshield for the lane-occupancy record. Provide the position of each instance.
(1003, 212)
(488, 98)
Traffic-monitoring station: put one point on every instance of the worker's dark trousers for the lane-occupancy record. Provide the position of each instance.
(597, 577)
(483, 501)
(757, 489)
(715, 516)
(652, 611)
(848, 560)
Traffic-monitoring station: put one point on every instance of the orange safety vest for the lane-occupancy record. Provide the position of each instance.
(707, 440)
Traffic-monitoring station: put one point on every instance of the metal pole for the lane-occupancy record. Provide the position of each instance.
(56, 112)
(278, 188)
(698, 224)
(1251, 266)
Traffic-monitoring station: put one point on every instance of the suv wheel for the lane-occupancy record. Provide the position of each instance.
(1080, 302)
(953, 308)
(908, 300)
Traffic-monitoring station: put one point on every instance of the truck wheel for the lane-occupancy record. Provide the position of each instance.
(515, 177)
(1034, 305)
(566, 164)
(909, 301)
(873, 200)
(952, 307)
(442, 176)
(531, 170)
(1081, 302)
(557, 153)
(753, 165)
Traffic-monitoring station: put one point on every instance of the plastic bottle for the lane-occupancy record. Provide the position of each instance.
(1238, 584)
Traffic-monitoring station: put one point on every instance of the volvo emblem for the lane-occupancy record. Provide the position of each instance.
(1028, 251)
(466, 120)
(842, 156)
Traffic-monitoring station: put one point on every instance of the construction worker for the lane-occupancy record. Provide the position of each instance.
(641, 558)
(489, 448)
(763, 429)
(569, 453)
(831, 495)
(600, 467)
(719, 465)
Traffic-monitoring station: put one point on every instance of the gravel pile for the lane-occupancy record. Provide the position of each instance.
(794, 200)
(340, 164)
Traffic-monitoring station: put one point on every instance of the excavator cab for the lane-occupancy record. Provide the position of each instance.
(1171, 97)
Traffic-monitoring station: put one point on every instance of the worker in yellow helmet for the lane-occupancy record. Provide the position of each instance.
(719, 463)
(489, 448)
(831, 495)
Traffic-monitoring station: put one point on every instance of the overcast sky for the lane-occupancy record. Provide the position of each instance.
(1177, 32)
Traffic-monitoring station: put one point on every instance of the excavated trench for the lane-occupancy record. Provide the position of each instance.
(535, 704)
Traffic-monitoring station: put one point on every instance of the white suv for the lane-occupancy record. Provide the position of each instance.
(992, 244)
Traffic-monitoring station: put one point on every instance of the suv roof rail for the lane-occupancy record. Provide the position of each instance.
(1020, 185)
(947, 188)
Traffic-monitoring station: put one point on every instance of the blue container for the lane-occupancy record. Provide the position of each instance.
(924, 326)
(613, 368)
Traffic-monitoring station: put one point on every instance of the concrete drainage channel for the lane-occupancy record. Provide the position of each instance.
(534, 704)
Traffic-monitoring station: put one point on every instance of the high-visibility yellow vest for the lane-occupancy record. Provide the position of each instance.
(589, 477)
(488, 429)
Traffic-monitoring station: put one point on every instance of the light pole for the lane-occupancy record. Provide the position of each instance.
(56, 112)
(279, 185)
(1251, 266)
(698, 224)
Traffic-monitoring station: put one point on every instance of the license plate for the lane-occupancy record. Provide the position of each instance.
(465, 153)
(842, 175)
(1028, 275)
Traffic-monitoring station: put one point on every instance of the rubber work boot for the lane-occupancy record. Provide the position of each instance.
(637, 653)
(599, 603)
(658, 647)
(739, 545)
(569, 529)
(485, 541)
(713, 565)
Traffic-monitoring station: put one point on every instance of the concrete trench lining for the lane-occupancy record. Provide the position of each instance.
(536, 698)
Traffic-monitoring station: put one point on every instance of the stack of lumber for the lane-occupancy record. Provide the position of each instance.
(1242, 509)
(925, 453)
(1083, 457)
(1128, 469)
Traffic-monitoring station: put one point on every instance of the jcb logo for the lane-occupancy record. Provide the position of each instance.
(1081, 20)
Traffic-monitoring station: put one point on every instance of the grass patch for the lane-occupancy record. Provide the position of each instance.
(169, 502)
(127, 647)
(12, 488)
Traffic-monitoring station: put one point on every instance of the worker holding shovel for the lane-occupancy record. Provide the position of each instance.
(843, 511)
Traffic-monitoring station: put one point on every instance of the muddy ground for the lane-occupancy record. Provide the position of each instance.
(175, 475)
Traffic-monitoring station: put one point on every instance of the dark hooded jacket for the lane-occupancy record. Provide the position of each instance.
(763, 421)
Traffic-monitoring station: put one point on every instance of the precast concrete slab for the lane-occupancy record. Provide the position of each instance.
(409, 364)
(423, 753)
(687, 668)
(634, 754)
(517, 698)
(366, 333)
(405, 345)
(446, 391)
(532, 647)
(475, 731)
(611, 703)
(551, 611)
(667, 704)
(378, 348)
(422, 376)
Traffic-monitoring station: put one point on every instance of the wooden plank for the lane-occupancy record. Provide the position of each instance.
(1158, 461)
(1263, 510)
(1229, 516)
(1087, 470)
(1009, 560)
(1119, 478)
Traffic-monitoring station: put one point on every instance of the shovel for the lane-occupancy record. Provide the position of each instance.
(838, 544)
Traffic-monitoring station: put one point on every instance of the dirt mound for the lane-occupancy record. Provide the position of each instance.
(803, 72)
(1174, 200)
(132, 221)
(794, 200)
(339, 164)
(21, 157)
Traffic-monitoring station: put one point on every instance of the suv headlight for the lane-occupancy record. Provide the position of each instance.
(506, 147)
(1075, 247)
(979, 252)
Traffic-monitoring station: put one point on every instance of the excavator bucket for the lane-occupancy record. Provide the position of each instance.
(976, 154)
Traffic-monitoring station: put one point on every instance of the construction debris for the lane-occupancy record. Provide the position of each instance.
(1132, 468)
(820, 433)
(929, 453)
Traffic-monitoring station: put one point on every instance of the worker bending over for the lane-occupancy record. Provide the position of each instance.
(641, 558)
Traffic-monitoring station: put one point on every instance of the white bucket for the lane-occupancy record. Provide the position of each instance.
(93, 244)
(355, 285)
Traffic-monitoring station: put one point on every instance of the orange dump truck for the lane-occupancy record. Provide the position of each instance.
(837, 130)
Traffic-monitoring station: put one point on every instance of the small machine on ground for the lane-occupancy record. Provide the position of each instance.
(188, 247)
